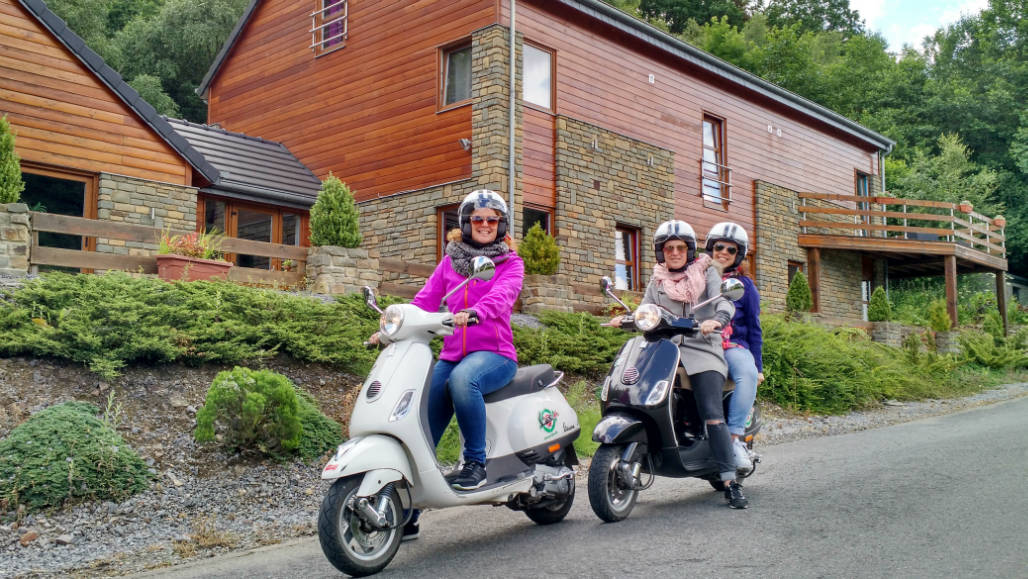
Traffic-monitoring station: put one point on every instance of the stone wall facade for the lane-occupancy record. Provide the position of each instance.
(139, 202)
(342, 270)
(545, 292)
(14, 239)
(605, 180)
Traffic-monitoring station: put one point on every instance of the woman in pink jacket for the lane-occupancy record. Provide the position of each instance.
(479, 358)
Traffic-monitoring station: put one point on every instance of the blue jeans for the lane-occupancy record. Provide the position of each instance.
(743, 371)
(460, 386)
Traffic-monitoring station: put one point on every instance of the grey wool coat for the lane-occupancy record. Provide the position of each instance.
(699, 353)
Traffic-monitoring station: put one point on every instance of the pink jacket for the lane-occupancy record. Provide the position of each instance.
(493, 300)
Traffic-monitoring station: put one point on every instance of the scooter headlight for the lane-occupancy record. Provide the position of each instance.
(392, 320)
(647, 316)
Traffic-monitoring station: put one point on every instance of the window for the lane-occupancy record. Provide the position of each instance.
(538, 76)
(626, 265)
(61, 192)
(446, 217)
(328, 26)
(794, 266)
(862, 189)
(715, 176)
(457, 75)
(530, 216)
(255, 222)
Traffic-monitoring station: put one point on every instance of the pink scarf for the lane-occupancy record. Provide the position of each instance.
(684, 286)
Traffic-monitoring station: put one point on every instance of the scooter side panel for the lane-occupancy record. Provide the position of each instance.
(528, 421)
(367, 454)
(641, 365)
(392, 378)
(618, 428)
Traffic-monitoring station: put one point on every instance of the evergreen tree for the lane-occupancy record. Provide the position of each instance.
(540, 252)
(335, 219)
(11, 184)
(799, 300)
(879, 309)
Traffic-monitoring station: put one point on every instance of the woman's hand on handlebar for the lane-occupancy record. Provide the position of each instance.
(615, 322)
(373, 340)
(465, 318)
(708, 326)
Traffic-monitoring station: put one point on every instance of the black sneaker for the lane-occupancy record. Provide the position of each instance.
(736, 500)
(471, 477)
(412, 529)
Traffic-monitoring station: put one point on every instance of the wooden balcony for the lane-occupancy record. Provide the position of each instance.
(915, 238)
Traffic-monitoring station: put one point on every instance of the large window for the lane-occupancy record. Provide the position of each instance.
(446, 218)
(254, 222)
(626, 262)
(714, 174)
(862, 189)
(538, 76)
(329, 25)
(63, 193)
(456, 74)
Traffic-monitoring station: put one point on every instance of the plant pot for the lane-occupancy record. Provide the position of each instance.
(172, 267)
(965, 207)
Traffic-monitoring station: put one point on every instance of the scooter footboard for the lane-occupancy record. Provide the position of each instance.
(377, 454)
(618, 428)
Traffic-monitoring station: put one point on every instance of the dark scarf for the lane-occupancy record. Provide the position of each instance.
(461, 254)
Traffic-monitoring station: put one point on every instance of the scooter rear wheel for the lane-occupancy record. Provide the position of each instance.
(348, 543)
(609, 497)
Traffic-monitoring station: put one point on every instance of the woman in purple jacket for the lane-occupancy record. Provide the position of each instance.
(743, 342)
(479, 358)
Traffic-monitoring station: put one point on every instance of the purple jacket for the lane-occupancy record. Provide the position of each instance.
(492, 300)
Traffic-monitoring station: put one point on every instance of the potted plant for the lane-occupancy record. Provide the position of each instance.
(191, 257)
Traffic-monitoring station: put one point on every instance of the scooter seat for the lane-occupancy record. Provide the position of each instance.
(527, 380)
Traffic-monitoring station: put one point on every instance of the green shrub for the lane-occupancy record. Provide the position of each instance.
(980, 348)
(798, 299)
(11, 183)
(335, 219)
(65, 452)
(938, 316)
(261, 410)
(993, 325)
(879, 309)
(539, 252)
(574, 343)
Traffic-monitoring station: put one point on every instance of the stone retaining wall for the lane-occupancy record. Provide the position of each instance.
(342, 270)
(135, 201)
(14, 239)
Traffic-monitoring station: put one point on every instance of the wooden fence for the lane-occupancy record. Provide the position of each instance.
(91, 229)
(914, 219)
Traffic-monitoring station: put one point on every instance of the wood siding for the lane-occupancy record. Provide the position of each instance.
(368, 112)
(538, 175)
(602, 79)
(64, 116)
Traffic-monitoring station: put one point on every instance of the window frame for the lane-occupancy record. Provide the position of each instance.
(790, 272)
(321, 22)
(441, 229)
(862, 178)
(91, 193)
(548, 211)
(444, 70)
(631, 265)
(232, 207)
(551, 107)
(722, 176)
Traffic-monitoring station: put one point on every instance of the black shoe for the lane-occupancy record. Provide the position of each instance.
(733, 493)
(412, 529)
(471, 477)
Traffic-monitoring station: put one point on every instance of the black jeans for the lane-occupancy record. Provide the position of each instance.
(707, 389)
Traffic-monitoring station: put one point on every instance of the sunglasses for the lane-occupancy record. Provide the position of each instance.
(676, 248)
(478, 219)
(721, 247)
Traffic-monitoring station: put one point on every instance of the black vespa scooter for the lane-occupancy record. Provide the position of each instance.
(650, 424)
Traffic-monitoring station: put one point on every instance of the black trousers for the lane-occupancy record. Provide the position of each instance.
(707, 389)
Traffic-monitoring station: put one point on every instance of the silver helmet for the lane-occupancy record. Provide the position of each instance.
(674, 229)
(728, 231)
(482, 199)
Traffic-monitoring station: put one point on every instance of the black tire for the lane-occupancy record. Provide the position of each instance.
(719, 485)
(608, 498)
(350, 548)
(553, 512)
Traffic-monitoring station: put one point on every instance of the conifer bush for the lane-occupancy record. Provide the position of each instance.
(66, 452)
(261, 410)
(799, 299)
(11, 183)
(335, 219)
(938, 316)
(879, 309)
(539, 251)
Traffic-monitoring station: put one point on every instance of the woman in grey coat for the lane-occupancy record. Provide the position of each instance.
(680, 279)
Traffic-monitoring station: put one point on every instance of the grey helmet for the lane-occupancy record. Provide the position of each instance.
(674, 229)
(728, 231)
(482, 199)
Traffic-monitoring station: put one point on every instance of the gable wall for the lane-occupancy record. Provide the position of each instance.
(64, 116)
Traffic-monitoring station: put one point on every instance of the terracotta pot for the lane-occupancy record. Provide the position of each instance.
(965, 207)
(172, 267)
(999, 221)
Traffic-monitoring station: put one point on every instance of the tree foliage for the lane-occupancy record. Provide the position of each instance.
(879, 309)
(335, 219)
(11, 184)
(676, 14)
(539, 252)
(798, 299)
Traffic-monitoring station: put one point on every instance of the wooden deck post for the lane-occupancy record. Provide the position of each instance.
(1001, 298)
(814, 277)
(951, 288)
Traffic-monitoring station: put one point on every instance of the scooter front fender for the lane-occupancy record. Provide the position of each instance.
(619, 428)
(381, 457)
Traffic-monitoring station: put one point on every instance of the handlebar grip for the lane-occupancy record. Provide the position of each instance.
(473, 319)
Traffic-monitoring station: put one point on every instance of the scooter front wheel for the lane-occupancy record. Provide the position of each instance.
(609, 496)
(351, 544)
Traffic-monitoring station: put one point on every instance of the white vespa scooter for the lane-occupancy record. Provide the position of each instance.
(389, 467)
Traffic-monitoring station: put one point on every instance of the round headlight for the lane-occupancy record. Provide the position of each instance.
(392, 319)
(647, 316)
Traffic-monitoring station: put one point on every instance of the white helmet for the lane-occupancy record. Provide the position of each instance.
(482, 199)
(674, 229)
(728, 231)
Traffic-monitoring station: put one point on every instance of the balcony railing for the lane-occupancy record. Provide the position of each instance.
(715, 182)
(895, 218)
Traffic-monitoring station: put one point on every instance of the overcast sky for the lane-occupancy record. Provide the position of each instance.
(908, 21)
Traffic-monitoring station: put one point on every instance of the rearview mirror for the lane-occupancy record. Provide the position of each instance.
(369, 298)
(482, 268)
(732, 289)
(605, 284)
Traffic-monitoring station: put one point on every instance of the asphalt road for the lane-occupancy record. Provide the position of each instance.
(939, 497)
